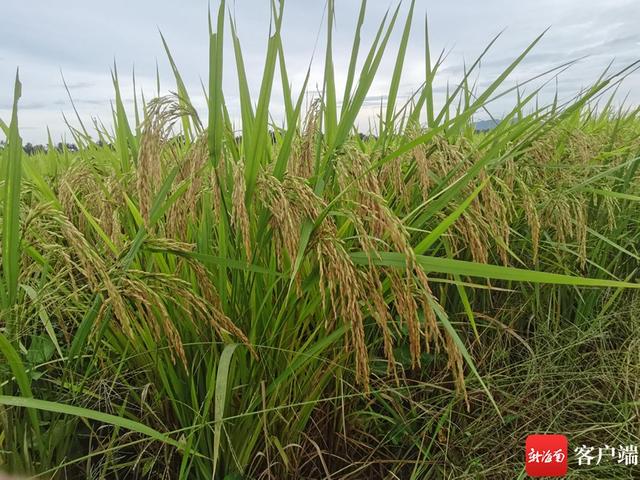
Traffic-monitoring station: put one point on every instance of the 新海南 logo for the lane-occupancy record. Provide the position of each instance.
(546, 455)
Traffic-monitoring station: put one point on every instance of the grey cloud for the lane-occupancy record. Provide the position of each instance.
(376, 100)
(612, 47)
(30, 105)
(90, 101)
(78, 85)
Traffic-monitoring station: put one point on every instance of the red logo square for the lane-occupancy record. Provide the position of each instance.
(546, 455)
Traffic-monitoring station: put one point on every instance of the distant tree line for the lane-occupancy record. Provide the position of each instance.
(31, 149)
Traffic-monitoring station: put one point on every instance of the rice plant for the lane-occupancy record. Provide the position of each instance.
(305, 300)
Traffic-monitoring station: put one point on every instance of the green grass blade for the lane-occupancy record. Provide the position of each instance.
(222, 387)
(125, 140)
(285, 150)
(260, 147)
(24, 384)
(182, 92)
(330, 99)
(11, 212)
(106, 418)
(355, 49)
(216, 49)
(389, 123)
(246, 107)
(429, 76)
(481, 270)
(444, 319)
(443, 226)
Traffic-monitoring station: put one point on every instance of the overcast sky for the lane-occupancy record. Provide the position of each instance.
(82, 38)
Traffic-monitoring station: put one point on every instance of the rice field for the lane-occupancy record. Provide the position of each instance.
(192, 298)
